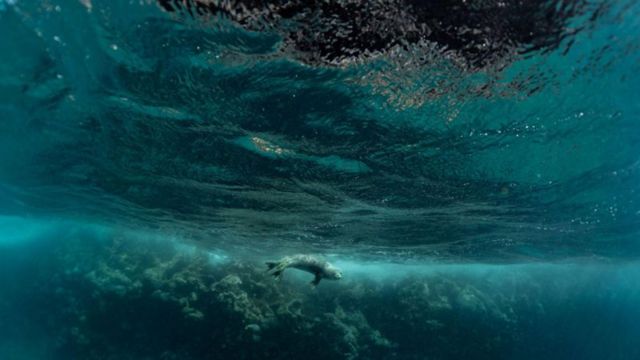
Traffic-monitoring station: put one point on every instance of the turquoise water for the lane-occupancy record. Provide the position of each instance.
(491, 150)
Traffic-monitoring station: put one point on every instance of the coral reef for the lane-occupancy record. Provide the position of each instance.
(127, 299)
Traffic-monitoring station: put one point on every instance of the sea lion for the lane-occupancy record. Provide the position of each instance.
(320, 268)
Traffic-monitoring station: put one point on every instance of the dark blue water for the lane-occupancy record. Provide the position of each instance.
(473, 167)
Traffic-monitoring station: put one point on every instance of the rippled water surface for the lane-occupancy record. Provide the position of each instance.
(505, 133)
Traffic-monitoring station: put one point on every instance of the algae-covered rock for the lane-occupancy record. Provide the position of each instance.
(230, 294)
(145, 300)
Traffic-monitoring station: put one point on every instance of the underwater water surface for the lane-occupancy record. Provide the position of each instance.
(472, 167)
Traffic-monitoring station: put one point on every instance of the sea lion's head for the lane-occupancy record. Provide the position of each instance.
(333, 273)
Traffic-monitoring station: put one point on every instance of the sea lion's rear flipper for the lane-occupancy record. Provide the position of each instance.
(276, 267)
(277, 274)
(316, 280)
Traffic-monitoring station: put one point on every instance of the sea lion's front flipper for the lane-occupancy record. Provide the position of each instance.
(316, 280)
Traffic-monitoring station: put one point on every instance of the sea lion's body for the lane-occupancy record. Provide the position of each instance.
(318, 267)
